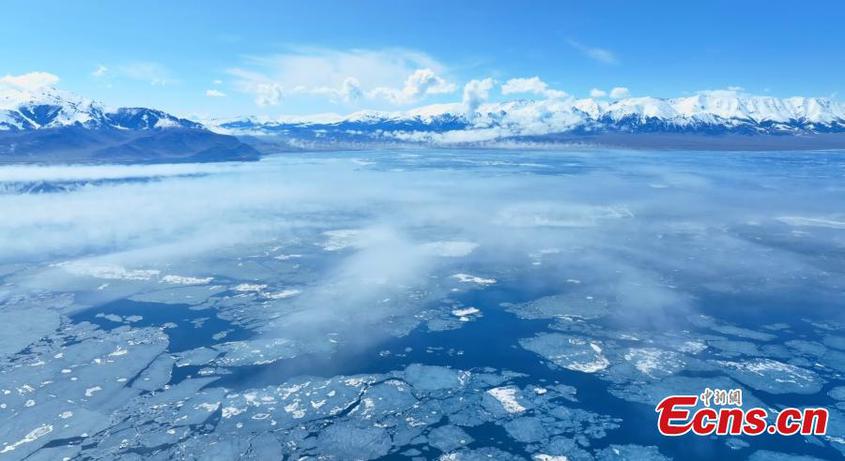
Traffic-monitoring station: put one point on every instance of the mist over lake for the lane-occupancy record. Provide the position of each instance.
(418, 303)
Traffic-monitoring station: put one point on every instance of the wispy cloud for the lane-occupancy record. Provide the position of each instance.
(398, 76)
(151, 72)
(100, 71)
(597, 54)
(215, 93)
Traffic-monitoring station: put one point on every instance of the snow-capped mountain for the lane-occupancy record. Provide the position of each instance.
(53, 125)
(705, 113)
(50, 125)
(48, 107)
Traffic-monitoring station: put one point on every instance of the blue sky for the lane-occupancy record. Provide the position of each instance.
(214, 58)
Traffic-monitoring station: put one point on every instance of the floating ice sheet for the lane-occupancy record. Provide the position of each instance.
(570, 352)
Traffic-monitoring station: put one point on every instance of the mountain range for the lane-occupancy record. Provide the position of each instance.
(50, 125)
(711, 118)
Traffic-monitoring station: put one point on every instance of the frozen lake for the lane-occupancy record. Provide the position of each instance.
(418, 304)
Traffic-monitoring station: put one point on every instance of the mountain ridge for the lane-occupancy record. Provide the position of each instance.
(50, 125)
(705, 113)
(53, 124)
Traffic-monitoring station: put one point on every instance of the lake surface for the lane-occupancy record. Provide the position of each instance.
(415, 304)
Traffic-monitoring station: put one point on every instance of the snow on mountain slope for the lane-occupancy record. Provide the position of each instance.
(48, 107)
(53, 126)
(139, 118)
(706, 112)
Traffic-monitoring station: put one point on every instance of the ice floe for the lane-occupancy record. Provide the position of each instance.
(507, 397)
(464, 314)
(570, 352)
(186, 280)
(773, 376)
(467, 278)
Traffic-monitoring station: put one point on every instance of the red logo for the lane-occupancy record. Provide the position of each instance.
(677, 415)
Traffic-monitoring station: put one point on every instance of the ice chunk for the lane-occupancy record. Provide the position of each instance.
(569, 305)
(196, 357)
(570, 352)
(767, 455)
(650, 393)
(507, 397)
(545, 457)
(448, 438)
(734, 348)
(20, 328)
(464, 314)
(186, 280)
(653, 362)
(179, 294)
(705, 321)
(256, 352)
(467, 278)
(32, 436)
(630, 452)
(773, 377)
(348, 440)
(249, 287)
(837, 393)
(481, 454)
(526, 429)
(156, 375)
(431, 378)
(836, 342)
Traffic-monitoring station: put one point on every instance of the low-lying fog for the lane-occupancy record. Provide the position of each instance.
(631, 267)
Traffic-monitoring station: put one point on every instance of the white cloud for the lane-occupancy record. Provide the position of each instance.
(531, 85)
(597, 93)
(265, 91)
(151, 72)
(524, 85)
(420, 83)
(100, 71)
(398, 75)
(349, 91)
(619, 92)
(597, 54)
(476, 92)
(268, 94)
(217, 82)
(30, 81)
(215, 93)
